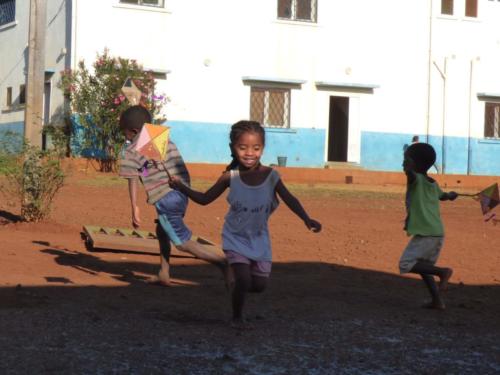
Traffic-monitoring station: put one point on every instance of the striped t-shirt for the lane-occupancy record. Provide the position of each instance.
(153, 176)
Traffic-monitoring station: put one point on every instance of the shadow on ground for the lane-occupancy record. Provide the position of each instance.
(314, 318)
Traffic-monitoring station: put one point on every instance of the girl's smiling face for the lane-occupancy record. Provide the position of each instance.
(248, 149)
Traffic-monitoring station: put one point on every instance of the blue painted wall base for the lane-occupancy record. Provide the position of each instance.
(384, 151)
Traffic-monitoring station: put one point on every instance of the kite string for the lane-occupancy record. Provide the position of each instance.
(467, 195)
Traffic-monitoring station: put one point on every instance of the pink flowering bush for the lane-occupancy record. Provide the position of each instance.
(96, 103)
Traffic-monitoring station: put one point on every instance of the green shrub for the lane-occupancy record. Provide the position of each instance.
(96, 101)
(32, 177)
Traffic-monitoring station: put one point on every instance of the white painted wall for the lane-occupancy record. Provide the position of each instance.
(13, 61)
(209, 45)
(14, 55)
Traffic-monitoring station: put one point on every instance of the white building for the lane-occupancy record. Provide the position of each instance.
(333, 80)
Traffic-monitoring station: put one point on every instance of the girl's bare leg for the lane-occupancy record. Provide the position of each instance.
(242, 285)
(211, 254)
(245, 283)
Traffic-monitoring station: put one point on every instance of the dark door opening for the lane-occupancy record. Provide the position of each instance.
(46, 111)
(338, 128)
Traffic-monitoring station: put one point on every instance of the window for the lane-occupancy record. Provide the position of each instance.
(270, 106)
(149, 3)
(7, 11)
(471, 8)
(8, 101)
(447, 7)
(22, 94)
(492, 120)
(297, 10)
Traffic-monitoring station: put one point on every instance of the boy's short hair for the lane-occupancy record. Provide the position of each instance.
(135, 117)
(423, 155)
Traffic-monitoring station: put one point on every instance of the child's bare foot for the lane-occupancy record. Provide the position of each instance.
(437, 305)
(443, 281)
(240, 324)
(162, 280)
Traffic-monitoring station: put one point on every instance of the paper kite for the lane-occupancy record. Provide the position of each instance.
(153, 145)
(131, 92)
(153, 142)
(489, 199)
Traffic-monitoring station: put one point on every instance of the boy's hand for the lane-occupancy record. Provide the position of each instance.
(313, 225)
(136, 221)
(452, 195)
(175, 183)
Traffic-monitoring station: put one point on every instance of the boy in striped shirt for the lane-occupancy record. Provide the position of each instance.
(170, 204)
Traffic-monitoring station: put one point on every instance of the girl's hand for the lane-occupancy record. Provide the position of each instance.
(313, 225)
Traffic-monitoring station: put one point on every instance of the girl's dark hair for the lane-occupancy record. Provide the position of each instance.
(423, 155)
(239, 128)
(135, 117)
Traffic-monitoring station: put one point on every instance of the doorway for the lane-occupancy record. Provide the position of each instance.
(338, 128)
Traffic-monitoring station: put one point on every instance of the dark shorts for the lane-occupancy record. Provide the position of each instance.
(171, 210)
(260, 268)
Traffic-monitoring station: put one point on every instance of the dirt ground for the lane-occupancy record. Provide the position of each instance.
(335, 302)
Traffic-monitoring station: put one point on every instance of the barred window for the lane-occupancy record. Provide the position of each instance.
(492, 120)
(150, 3)
(298, 10)
(447, 7)
(7, 11)
(471, 8)
(270, 106)
(8, 97)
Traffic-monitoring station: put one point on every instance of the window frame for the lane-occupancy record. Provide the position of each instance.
(474, 3)
(268, 90)
(22, 94)
(293, 15)
(445, 4)
(8, 98)
(140, 3)
(12, 20)
(496, 126)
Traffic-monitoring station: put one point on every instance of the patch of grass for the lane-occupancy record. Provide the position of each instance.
(321, 191)
(311, 191)
(103, 180)
(7, 163)
(345, 191)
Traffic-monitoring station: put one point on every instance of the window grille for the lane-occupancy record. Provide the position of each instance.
(270, 106)
(492, 120)
(298, 10)
(150, 3)
(7, 11)
(447, 7)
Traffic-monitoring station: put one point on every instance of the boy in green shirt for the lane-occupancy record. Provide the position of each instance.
(424, 222)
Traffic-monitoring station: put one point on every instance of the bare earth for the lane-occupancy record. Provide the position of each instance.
(335, 303)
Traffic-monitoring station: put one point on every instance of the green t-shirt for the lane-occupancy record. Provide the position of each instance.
(424, 218)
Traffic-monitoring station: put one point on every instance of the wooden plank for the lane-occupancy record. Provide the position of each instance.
(120, 239)
(130, 239)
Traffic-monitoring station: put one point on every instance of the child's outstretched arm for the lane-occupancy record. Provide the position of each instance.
(197, 196)
(450, 196)
(293, 203)
(132, 192)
